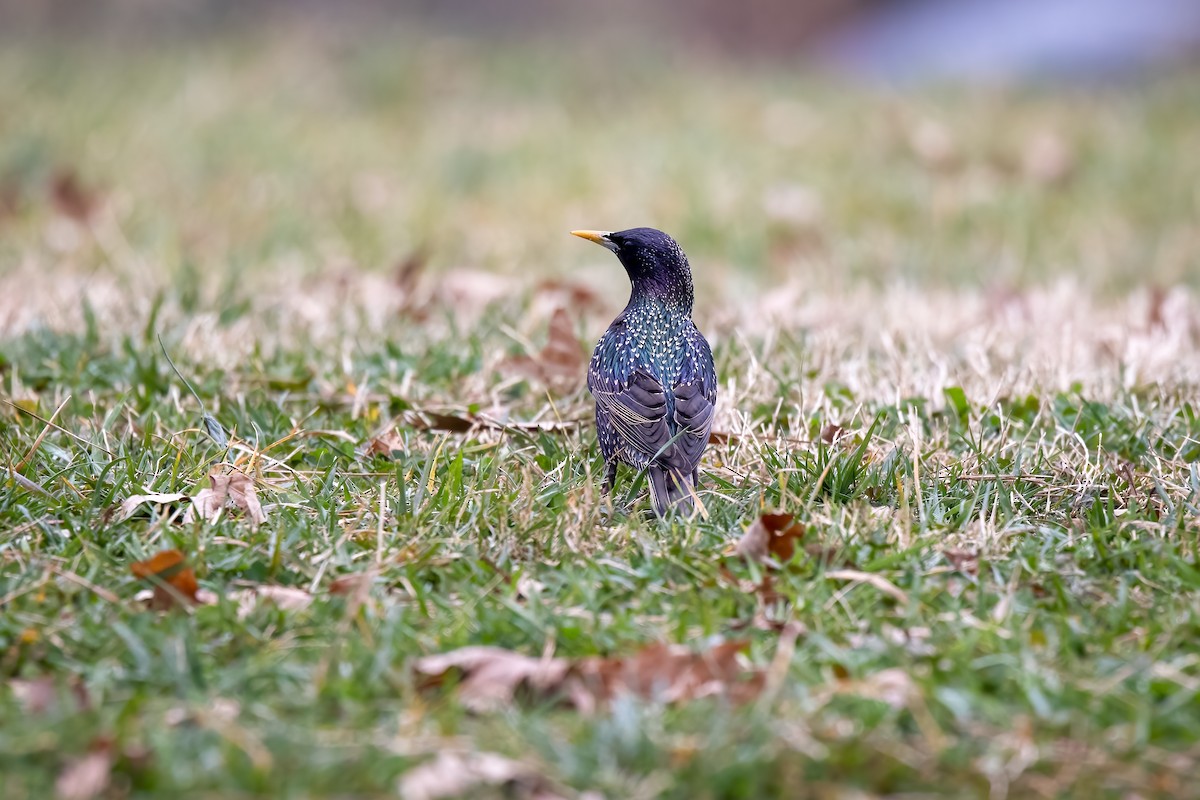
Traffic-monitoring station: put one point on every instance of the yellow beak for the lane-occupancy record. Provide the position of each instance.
(599, 237)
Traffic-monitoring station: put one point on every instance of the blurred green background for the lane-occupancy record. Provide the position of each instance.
(221, 141)
(984, 219)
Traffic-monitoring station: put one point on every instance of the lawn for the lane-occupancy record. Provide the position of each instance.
(957, 338)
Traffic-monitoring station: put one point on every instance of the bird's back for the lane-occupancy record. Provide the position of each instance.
(646, 349)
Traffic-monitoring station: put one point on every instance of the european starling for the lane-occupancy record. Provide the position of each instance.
(652, 372)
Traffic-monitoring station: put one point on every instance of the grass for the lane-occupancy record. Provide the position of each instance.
(1007, 350)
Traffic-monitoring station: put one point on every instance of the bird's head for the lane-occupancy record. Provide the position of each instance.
(656, 264)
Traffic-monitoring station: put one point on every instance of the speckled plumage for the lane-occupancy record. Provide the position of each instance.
(652, 372)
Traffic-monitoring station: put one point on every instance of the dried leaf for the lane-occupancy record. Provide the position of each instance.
(965, 561)
(491, 676)
(439, 421)
(288, 598)
(408, 271)
(666, 674)
(173, 579)
(878, 581)
(386, 444)
(86, 777)
(354, 583)
(34, 696)
(831, 432)
(130, 505)
(771, 536)
(228, 487)
(11, 198)
(452, 774)
(573, 295)
(208, 503)
(562, 352)
(454, 421)
(70, 198)
(1155, 317)
(41, 695)
(560, 362)
(245, 498)
(471, 291)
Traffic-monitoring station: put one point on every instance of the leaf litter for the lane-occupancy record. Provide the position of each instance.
(71, 198)
(173, 580)
(45, 695)
(770, 539)
(174, 584)
(459, 774)
(158, 500)
(560, 363)
(87, 776)
(287, 598)
(490, 678)
(228, 487)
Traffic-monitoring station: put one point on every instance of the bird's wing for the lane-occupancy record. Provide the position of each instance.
(695, 401)
(638, 410)
(694, 417)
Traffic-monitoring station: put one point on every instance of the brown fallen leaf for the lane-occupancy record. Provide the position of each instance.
(245, 497)
(131, 504)
(770, 537)
(42, 695)
(485, 422)
(452, 774)
(227, 487)
(573, 295)
(667, 674)
(451, 423)
(354, 583)
(70, 198)
(11, 198)
(386, 444)
(464, 422)
(87, 776)
(408, 271)
(35, 696)
(831, 432)
(964, 561)
(209, 502)
(470, 291)
(1155, 317)
(288, 598)
(491, 677)
(560, 362)
(878, 581)
(173, 579)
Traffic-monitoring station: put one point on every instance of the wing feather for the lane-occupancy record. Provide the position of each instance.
(639, 413)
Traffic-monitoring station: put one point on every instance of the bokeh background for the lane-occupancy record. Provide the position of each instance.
(208, 145)
(947, 254)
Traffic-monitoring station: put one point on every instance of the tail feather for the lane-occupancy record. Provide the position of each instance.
(670, 490)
